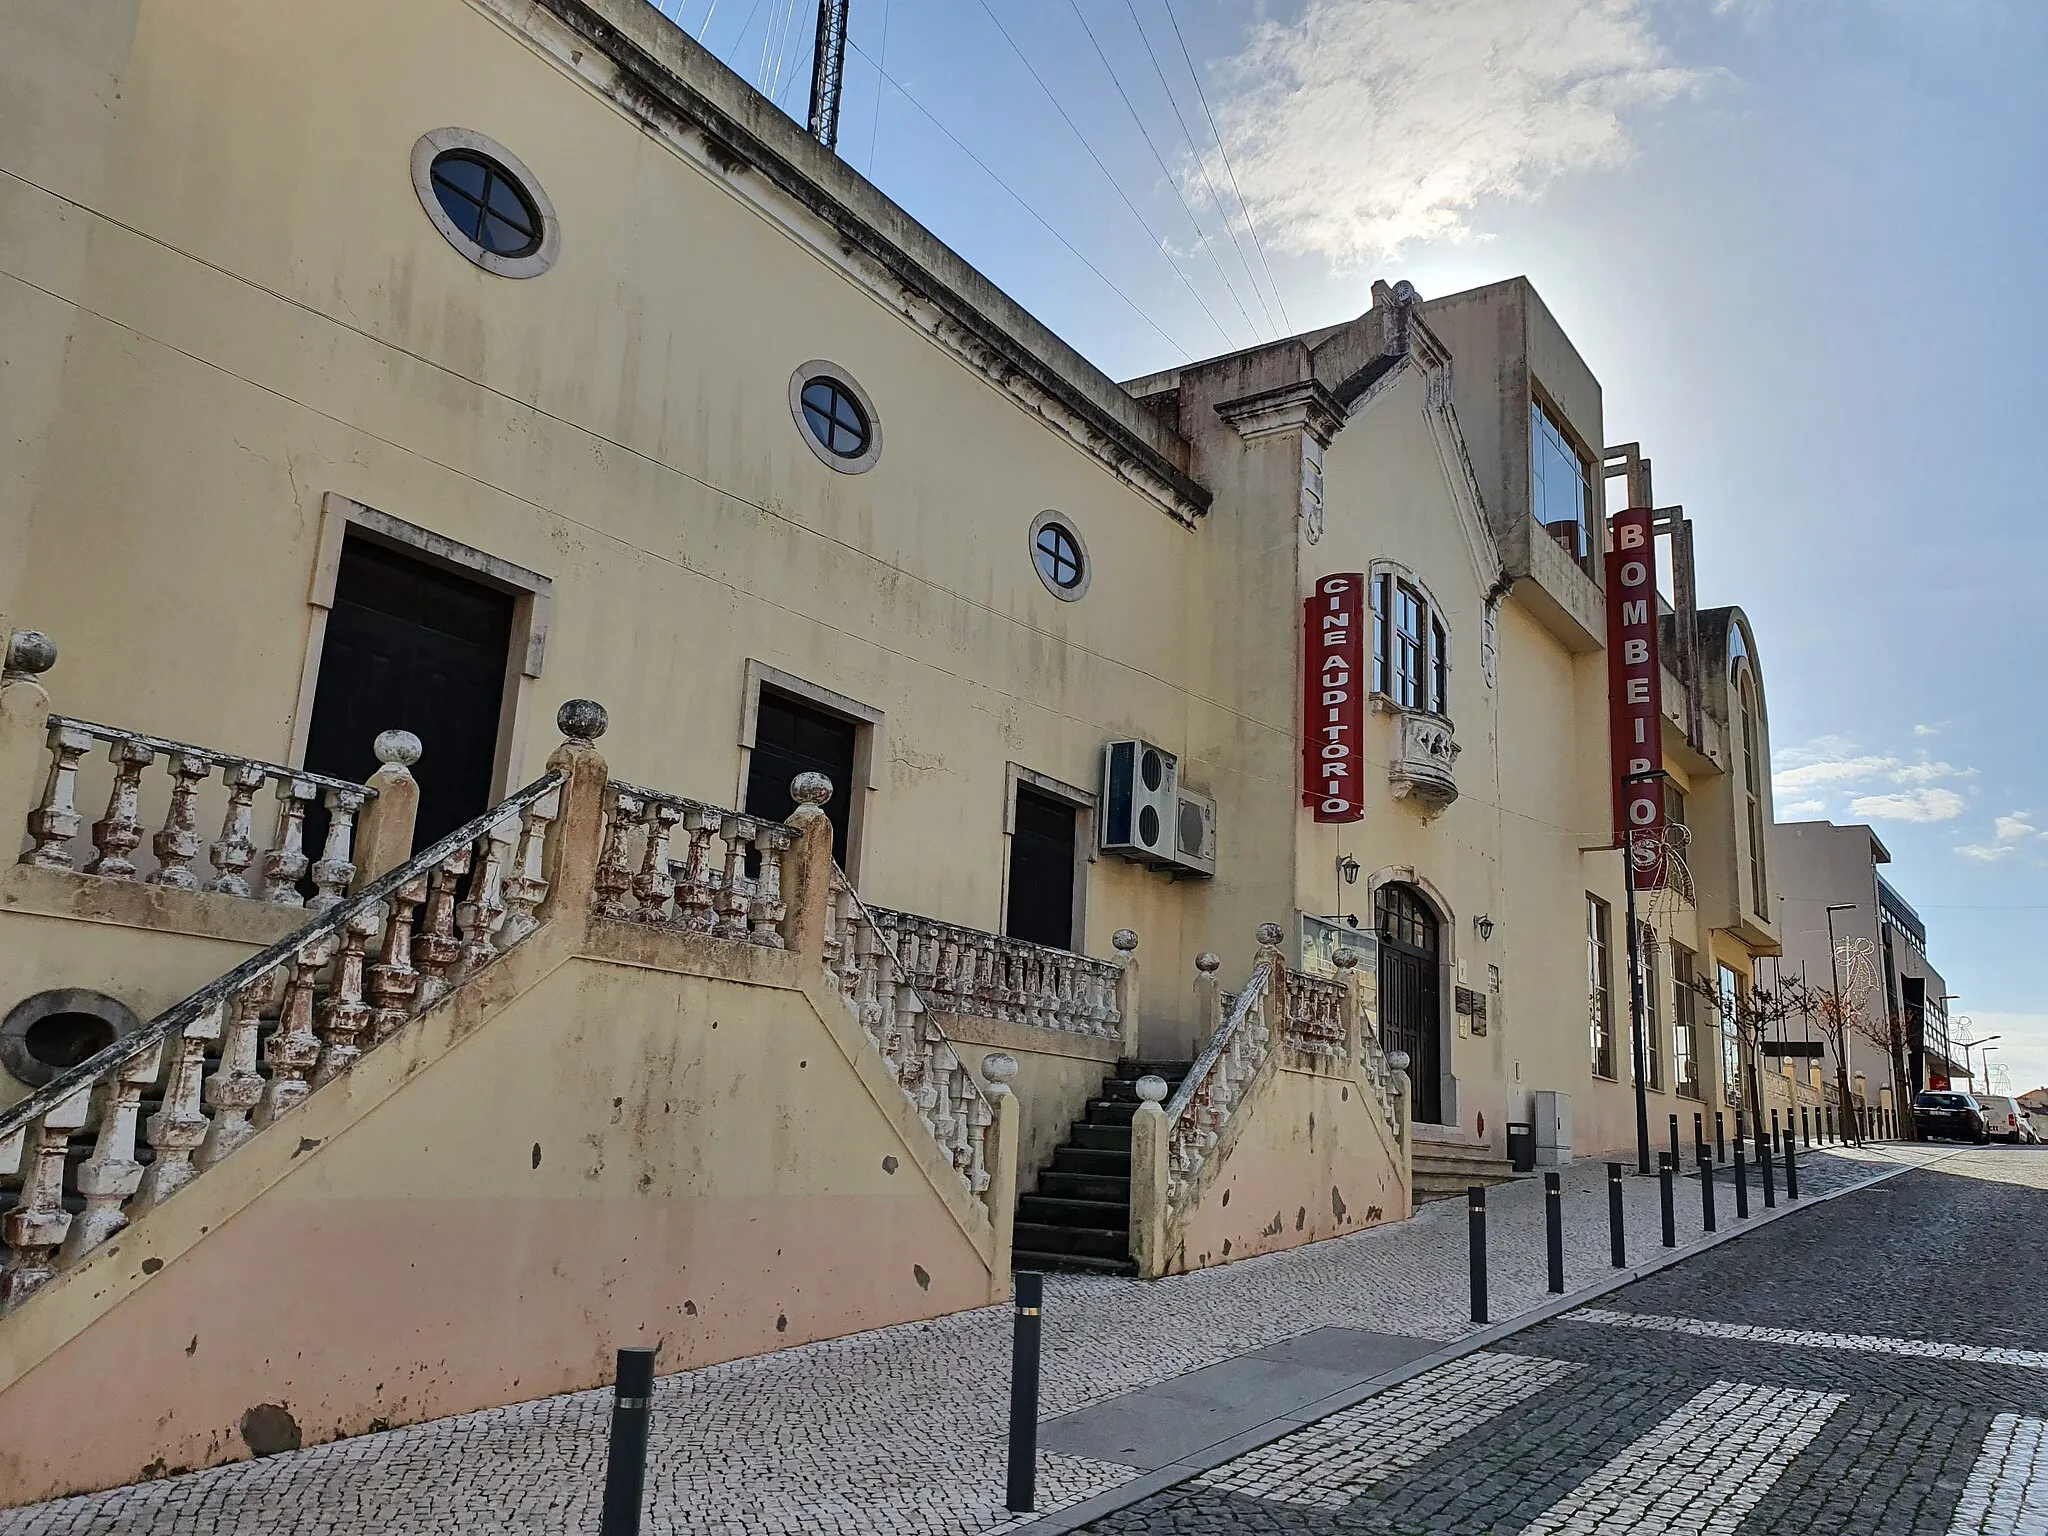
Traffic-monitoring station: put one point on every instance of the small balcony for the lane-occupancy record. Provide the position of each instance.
(1423, 763)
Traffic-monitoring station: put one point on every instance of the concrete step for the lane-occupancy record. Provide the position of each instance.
(1084, 1263)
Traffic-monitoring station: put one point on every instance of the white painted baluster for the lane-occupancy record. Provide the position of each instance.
(236, 849)
(438, 949)
(524, 886)
(293, 1051)
(614, 877)
(117, 834)
(483, 909)
(236, 1087)
(737, 832)
(111, 1174)
(178, 1129)
(344, 1015)
(765, 912)
(981, 1115)
(36, 1227)
(179, 843)
(335, 867)
(393, 982)
(694, 896)
(56, 821)
(284, 865)
(655, 885)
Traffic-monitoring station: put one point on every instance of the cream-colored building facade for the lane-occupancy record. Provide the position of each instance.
(260, 380)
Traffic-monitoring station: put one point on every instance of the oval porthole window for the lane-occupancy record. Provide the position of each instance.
(1059, 556)
(48, 1034)
(836, 417)
(485, 203)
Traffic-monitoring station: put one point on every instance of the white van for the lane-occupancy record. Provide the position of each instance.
(2003, 1117)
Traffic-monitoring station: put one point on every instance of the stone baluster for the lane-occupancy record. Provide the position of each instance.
(345, 1015)
(526, 887)
(293, 1050)
(835, 916)
(178, 1129)
(55, 821)
(35, 1229)
(236, 1087)
(438, 949)
(737, 832)
(236, 849)
(117, 834)
(980, 1116)
(947, 1127)
(482, 909)
(694, 881)
(285, 864)
(393, 983)
(111, 1174)
(179, 843)
(866, 984)
(614, 877)
(335, 867)
(766, 912)
(655, 885)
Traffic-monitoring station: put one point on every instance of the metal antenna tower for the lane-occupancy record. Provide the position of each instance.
(828, 70)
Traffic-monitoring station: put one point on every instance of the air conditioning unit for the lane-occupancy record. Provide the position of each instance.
(1194, 843)
(1141, 801)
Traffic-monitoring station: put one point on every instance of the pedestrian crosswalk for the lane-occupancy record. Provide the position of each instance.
(2007, 1494)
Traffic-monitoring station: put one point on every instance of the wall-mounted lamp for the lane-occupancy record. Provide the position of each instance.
(1483, 925)
(1349, 867)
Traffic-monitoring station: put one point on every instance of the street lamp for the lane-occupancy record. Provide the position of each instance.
(1987, 1068)
(1835, 977)
(1968, 1046)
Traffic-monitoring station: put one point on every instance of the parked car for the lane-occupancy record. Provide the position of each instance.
(1954, 1116)
(2003, 1117)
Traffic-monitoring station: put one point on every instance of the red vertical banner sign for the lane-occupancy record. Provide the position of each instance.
(1333, 696)
(1635, 690)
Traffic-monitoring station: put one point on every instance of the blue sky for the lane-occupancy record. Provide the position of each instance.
(1799, 241)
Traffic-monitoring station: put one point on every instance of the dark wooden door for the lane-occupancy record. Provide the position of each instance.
(1410, 1000)
(412, 647)
(1041, 904)
(791, 737)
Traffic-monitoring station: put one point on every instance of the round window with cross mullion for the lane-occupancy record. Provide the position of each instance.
(1059, 556)
(485, 202)
(836, 417)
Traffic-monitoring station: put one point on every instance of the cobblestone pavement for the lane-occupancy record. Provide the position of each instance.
(902, 1430)
(1877, 1365)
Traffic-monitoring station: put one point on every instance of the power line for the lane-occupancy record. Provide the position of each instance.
(1202, 165)
(1157, 240)
(1259, 244)
(1144, 133)
(1018, 197)
(875, 123)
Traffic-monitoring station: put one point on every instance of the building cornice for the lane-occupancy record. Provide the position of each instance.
(854, 227)
(1304, 406)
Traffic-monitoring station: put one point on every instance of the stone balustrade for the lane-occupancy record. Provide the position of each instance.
(1424, 761)
(248, 1048)
(862, 952)
(682, 865)
(236, 863)
(1215, 1084)
(964, 970)
(1314, 1023)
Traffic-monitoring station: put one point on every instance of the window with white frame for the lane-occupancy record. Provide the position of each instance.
(1411, 646)
(1685, 1066)
(1599, 987)
(1653, 1028)
(1731, 1034)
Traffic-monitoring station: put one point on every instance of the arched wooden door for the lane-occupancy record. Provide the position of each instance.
(1410, 1004)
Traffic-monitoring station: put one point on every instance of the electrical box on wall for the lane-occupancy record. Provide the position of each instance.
(1140, 802)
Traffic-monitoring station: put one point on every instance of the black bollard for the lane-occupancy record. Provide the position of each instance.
(1827, 1124)
(1805, 1130)
(1664, 1201)
(1475, 1232)
(1617, 1241)
(1028, 1295)
(1763, 1156)
(1721, 1141)
(1706, 1190)
(1741, 1186)
(1674, 1141)
(1775, 1143)
(1699, 1137)
(1791, 1172)
(625, 1462)
(1553, 1231)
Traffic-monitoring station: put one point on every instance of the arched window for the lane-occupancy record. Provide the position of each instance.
(1411, 646)
(1753, 793)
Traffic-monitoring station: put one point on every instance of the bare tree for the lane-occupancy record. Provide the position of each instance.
(1754, 1012)
(1889, 1030)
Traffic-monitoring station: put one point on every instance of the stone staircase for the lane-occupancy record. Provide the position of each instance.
(1081, 1216)
(1444, 1170)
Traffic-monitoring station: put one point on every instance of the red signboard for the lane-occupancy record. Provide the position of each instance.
(1635, 694)
(1334, 686)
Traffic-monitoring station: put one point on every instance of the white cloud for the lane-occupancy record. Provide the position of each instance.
(1984, 853)
(1801, 810)
(1368, 124)
(1926, 730)
(1908, 805)
(2016, 827)
(1845, 770)
(1929, 773)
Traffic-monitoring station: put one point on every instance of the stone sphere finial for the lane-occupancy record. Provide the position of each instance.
(1270, 935)
(998, 1070)
(582, 720)
(1208, 962)
(1397, 1061)
(30, 653)
(1152, 1089)
(1345, 959)
(1125, 939)
(810, 789)
(397, 749)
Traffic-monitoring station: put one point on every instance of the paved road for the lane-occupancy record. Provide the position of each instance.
(1878, 1364)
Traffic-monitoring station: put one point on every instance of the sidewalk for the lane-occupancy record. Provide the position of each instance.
(902, 1430)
